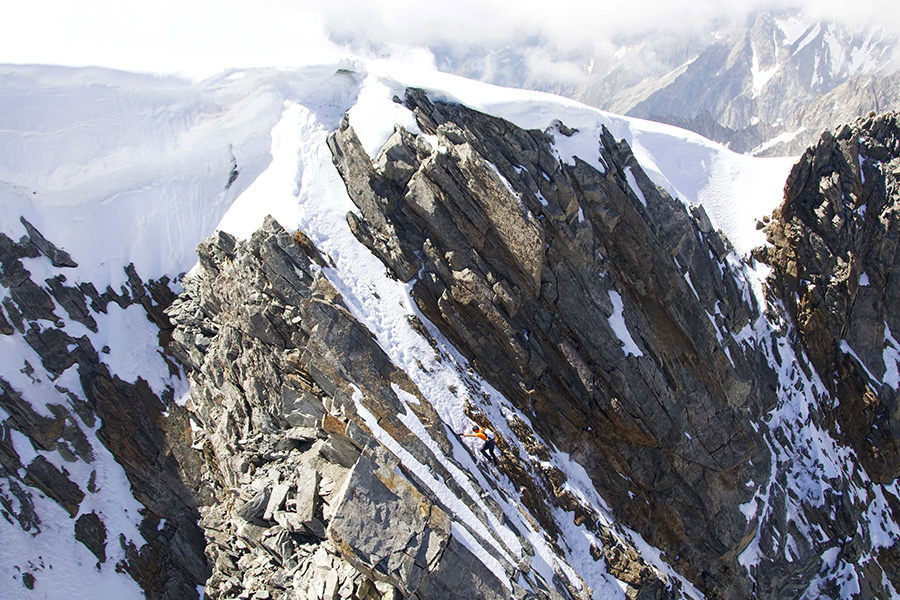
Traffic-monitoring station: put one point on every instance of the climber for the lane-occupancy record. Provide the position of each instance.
(489, 447)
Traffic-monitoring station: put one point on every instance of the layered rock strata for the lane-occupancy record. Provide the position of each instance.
(623, 325)
(526, 263)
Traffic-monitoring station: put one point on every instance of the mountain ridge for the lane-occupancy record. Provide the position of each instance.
(533, 307)
(750, 84)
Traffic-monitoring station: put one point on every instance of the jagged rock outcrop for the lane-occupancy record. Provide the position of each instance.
(527, 264)
(305, 501)
(168, 562)
(836, 267)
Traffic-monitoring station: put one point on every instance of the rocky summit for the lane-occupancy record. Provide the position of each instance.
(672, 420)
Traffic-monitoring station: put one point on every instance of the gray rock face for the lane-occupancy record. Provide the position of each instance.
(303, 501)
(421, 558)
(525, 289)
(59, 258)
(526, 262)
(90, 531)
(44, 476)
(834, 253)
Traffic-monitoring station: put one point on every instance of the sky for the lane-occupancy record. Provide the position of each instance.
(199, 38)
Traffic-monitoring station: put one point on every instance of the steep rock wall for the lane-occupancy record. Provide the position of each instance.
(528, 264)
(836, 267)
(307, 503)
(639, 349)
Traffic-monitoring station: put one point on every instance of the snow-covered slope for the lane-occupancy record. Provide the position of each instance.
(735, 190)
(151, 162)
(119, 169)
(157, 154)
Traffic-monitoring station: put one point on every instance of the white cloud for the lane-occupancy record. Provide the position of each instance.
(201, 37)
(194, 38)
(565, 23)
(544, 66)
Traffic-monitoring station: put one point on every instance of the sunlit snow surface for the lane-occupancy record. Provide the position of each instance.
(118, 168)
(735, 189)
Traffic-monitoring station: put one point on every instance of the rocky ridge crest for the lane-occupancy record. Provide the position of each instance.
(691, 418)
(836, 267)
(306, 502)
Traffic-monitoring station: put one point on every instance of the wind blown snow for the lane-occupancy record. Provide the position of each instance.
(617, 322)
